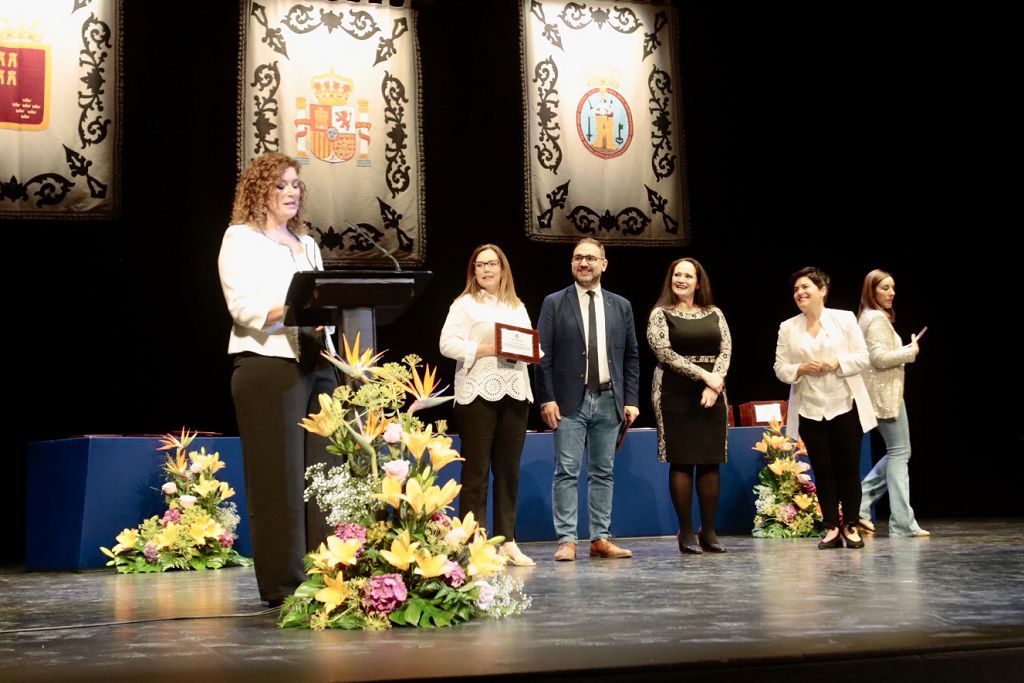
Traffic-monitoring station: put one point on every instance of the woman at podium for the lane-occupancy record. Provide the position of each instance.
(278, 371)
(492, 394)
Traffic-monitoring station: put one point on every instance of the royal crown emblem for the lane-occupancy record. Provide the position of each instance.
(331, 129)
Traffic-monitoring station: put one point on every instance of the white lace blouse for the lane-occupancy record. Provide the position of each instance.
(470, 323)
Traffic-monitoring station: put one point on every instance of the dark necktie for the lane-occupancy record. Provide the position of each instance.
(593, 374)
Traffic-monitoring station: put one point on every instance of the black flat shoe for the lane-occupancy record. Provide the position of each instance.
(859, 543)
(686, 548)
(836, 542)
(709, 547)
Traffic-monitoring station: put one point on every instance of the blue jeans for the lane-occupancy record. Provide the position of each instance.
(892, 473)
(595, 424)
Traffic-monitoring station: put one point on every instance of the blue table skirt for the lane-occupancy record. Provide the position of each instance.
(83, 492)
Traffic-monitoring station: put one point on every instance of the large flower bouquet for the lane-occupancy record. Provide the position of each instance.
(396, 557)
(787, 505)
(198, 529)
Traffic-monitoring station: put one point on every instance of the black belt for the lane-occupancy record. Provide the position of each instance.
(603, 387)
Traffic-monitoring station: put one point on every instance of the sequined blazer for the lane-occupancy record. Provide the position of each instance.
(884, 379)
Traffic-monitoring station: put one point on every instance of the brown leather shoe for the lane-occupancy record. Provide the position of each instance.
(603, 547)
(566, 552)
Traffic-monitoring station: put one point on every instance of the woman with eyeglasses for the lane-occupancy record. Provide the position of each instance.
(492, 394)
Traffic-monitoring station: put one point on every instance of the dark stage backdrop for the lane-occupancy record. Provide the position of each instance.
(828, 138)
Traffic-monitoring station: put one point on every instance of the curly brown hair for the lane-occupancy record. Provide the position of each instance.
(255, 186)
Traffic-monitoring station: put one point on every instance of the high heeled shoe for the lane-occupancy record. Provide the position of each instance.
(686, 548)
(836, 542)
(851, 543)
(707, 546)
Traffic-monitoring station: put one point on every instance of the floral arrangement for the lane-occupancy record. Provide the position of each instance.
(396, 557)
(787, 505)
(198, 529)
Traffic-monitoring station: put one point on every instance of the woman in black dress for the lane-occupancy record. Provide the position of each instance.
(691, 339)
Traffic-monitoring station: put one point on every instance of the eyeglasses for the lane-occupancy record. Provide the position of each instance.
(589, 258)
(480, 265)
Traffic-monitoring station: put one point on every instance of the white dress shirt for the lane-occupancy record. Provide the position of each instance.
(470, 323)
(602, 342)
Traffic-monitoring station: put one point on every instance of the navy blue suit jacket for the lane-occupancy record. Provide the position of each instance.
(563, 367)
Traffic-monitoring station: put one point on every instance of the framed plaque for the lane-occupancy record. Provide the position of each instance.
(517, 343)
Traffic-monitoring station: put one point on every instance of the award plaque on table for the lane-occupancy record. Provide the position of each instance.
(517, 343)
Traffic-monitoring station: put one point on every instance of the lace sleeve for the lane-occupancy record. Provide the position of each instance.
(725, 348)
(657, 338)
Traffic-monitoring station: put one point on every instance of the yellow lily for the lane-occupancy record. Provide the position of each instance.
(484, 559)
(442, 455)
(226, 491)
(402, 552)
(762, 445)
(167, 537)
(205, 487)
(432, 499)
(204, 528)
(327, 421)
(417, 442)
(208, 461)
(778, 467)
(333, 594)
(429, 566)
(799, 467)
(390, 491)
(779, 442)
(462, 530)
(775, 425)
(337, 551)
(126, 540)
(802, 500)
(424, 390)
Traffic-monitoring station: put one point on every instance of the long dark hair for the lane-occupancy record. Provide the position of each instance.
(702, 297)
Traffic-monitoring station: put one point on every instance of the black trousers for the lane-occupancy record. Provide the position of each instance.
(834, 448)
(271, 396)
(493, 433)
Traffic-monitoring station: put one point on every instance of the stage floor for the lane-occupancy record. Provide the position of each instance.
(949, 607)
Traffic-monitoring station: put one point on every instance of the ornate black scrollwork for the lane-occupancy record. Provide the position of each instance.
(360, 23)
(79, 167)
(386, 47)
(397, 175)
(53, 188)
(629, 221)
(271, 36)
(651, 42)
(663, 161)
(80, 4)
(549, 152)
(364, 241)
(95, 37)
(267, 78)
(577, 16)
(658, 204)
(550, 30)
(556, 200)
(392, 221)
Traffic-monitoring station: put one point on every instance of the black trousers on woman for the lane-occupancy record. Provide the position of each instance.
(492, 433)
(834, 448)
(271, 396)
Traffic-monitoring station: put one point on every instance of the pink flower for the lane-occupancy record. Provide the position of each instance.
(170, 488)
(172, 516)
(384, 593)
(226, 540)
(393, 433)
(787, 513)
(486, 595)
(351, 531)
(150, 552)
(442, 519)
(454, 573)
(399, 469)
(808, 487)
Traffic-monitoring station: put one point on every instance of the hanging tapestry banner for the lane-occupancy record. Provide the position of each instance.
(60, 104)
(604, 127)
(335, 85)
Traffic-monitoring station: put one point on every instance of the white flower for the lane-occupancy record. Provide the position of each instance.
(187, 501)
(399, 469)
(393, 433)
(196, 467)
(170, 488)
(456, 536)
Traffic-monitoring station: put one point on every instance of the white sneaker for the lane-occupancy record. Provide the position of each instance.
(511, 552)
(920, 533)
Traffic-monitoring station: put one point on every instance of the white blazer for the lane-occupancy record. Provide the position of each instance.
(845, 337)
